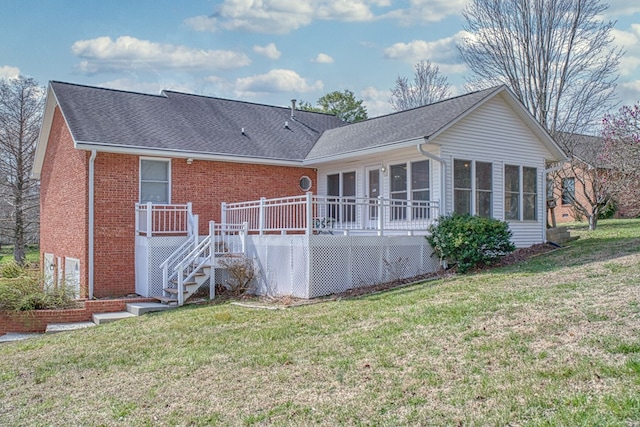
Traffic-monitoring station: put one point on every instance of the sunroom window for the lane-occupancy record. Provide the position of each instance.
(520, 186)
(472, 187)
(154, 181)
(418, 188)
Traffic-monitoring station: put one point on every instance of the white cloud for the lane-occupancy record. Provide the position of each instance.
(270, 51)
(441, 52)
(8, 72)
(278, 80)
(323, 58)
(103, 54)
(629, 41)
(376, 101)
(283, 16)
(425, 11)
(620, 8)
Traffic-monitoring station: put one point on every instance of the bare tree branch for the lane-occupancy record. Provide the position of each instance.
(428, 86)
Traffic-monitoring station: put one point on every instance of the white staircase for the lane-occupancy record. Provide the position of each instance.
(192, 264)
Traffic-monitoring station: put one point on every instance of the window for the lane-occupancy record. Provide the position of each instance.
(472, 187)
(511, 192)
(462, 186)
(420, 188)
(484, 189)
(568, 190)
(398, 191)
(154, 181)
(342, 185)
(520, 186)
(305, 183)
(404, 190)
(529, 194)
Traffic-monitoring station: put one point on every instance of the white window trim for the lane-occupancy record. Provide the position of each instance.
(408, 184)
(155, 159)
(521, 193)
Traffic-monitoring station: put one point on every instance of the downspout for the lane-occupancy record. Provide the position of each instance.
(91, 222)
(442, 170)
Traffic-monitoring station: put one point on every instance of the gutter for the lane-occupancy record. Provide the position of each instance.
(442, 169)
(91, 219)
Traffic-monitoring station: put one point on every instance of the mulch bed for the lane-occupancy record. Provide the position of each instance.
(519, 255)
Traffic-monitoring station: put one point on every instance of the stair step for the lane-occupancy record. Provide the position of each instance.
(175, 282)
(166, 300)
(102, 318)
(53, 328)
(174, 291)
(140, 308)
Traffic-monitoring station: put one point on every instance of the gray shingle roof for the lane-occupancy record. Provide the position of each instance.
(189, 123)
(401, 126)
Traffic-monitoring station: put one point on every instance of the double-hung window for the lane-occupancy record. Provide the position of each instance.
(520, 193)
(568, 190)
(472, 187)
(154, 181)
(410, 184)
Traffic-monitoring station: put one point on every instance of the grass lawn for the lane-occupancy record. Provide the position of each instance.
(552, 341)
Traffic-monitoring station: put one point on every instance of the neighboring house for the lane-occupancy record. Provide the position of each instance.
(573, 183)
(327, 206)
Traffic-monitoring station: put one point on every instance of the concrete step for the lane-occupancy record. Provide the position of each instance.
(17, 336)
(53, 328)
(102, 318)
(140, 308)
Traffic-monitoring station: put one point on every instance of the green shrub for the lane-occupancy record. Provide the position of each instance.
(609, 210)
(26, 293)
(470, 241)
(11, 270)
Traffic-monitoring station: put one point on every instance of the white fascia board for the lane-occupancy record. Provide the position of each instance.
(45, 130)
(175, 154)
(373, 150)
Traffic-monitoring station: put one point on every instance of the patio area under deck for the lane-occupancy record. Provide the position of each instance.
(308, 246)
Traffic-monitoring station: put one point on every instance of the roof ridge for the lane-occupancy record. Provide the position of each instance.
(131, 92)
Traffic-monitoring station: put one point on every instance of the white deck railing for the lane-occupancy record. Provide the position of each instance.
(331, 214)
(153, 219)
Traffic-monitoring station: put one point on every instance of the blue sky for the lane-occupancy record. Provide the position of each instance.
(266, 51)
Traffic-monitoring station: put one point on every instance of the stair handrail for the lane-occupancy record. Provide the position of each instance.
(189, 266)
(168, 265)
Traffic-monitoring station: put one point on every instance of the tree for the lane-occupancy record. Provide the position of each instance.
(428, 86)
(21, 109)
(555, 55)
(586, 181)
(621, 134)
(343, 105)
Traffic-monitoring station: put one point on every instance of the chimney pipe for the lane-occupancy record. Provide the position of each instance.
(293, 107)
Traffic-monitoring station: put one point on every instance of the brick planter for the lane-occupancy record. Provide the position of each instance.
(37, 320)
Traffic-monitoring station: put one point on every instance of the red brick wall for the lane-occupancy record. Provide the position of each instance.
(64, 203)
(116, 193)
(208, 184)
(63, 199)
(204, 183)
(37, 320)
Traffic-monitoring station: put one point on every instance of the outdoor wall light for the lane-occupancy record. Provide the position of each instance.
(189, 160)
(383, 169)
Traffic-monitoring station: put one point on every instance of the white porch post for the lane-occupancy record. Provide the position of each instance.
(243, 237)
(261, 215)
(212, 255)
(309, 213)
(189, 214)
(149, 219)
(223, 216)
(380, 216)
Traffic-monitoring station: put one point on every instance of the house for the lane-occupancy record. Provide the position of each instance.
(130, 181)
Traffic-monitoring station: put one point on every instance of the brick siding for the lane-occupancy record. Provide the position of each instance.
(64, 203)
(37, 320)
(63, 200)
